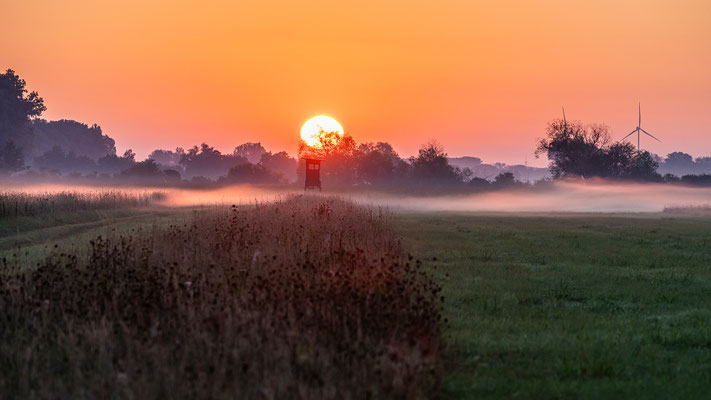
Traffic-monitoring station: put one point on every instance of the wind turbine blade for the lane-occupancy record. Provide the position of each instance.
(629, 134)
(650, 135)
(639, 110)
(565, 122)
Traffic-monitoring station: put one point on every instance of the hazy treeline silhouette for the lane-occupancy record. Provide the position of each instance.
(32, 148)
(681, 164)
(38, 149)
(346, 162)
(586, 151)
(480, 169)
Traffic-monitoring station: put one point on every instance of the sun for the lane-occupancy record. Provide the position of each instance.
(316, 126)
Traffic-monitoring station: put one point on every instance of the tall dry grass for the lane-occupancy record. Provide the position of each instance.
(301, 298)
(19, 204)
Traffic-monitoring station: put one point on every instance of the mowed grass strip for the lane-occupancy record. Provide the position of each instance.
(28, 218)
(576, 306)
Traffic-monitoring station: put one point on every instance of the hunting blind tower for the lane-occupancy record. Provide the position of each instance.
(313, 174)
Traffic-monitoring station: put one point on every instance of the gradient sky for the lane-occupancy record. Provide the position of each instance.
(483, 78)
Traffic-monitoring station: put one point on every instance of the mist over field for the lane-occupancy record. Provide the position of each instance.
(560, 196)
(557, 196)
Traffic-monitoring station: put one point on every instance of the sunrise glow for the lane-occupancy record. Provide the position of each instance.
(316, 126)
(484, 77)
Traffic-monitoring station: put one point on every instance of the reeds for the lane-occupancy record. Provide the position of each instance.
(301, 298)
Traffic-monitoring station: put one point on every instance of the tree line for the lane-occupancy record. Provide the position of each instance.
(586, 151)
(34, 148)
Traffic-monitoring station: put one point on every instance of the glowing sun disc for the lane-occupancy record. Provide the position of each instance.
(311, 130)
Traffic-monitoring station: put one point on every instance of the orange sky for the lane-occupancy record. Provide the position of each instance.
(481, 77)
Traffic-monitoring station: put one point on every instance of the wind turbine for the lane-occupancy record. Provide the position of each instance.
(639, 129)
(565, 122)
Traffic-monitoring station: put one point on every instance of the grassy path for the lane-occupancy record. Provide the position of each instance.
(34, 235)
(571, 306)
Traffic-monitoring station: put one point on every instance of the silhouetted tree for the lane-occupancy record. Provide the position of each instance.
(144, 171)
(679, 159)
(585, 151)
(678, 163)
(167, 157)
(280, 162)
(252, 173)
(479, 183)
(616, 160)
(671, 178)
(379, 164)
(79, 138)
(697, 180)
(505, 179)
(575, 149)
(65, 161)
(328, 144)
(113, 164)
(431, 167)
(252, 152)
(11, 158)
(338, 153)
(17, 108)
(171, 176)
(208, 162)
(642, 167)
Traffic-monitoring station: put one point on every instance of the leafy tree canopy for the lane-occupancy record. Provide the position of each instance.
(208, 162)
(585, 151)
(74, 136)
(252, 152)
(17, 108)
(11, 158)
(432, 167)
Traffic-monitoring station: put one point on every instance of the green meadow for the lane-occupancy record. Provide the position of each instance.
(571, 306)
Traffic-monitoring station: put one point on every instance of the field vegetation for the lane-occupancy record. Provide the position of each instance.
(301, 298)
(579, 306)
(20, 204)
(36, 218)
(316, 297)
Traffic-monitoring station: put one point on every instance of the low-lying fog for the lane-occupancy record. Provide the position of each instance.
(560, 196)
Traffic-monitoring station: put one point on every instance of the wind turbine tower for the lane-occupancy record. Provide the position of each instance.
(639, 129)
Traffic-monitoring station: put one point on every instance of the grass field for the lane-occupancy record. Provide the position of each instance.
(576, 306)
(538, 306)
